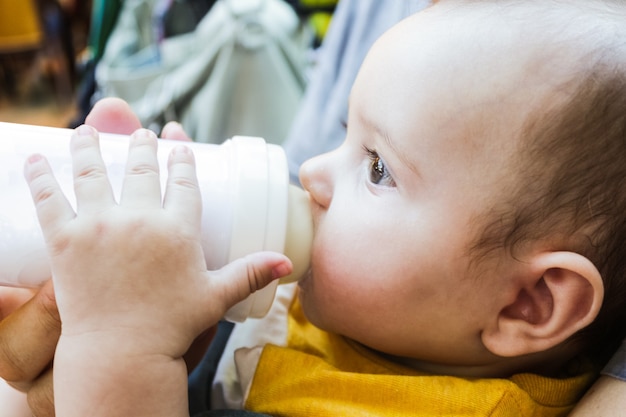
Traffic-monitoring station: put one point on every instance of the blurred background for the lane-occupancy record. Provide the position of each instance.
(40, 41)
(49, 51)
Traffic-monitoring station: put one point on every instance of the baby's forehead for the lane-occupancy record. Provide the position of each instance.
(507, 54)
(563, 25)
(501, 49)
(480, 52)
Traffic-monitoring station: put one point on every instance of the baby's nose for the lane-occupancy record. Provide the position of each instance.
(316, 178)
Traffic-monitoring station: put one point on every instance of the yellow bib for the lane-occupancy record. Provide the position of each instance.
(322, 374)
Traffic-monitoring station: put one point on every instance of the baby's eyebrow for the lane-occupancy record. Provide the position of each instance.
(402, 156)
(380, 132)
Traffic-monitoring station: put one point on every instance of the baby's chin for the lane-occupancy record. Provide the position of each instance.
(309, 307)
(304, 298)
(319, 310)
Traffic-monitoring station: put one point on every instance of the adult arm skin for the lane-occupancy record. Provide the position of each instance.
(606, 398)
(29, 331)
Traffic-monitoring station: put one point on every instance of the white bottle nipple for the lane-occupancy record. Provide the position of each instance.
(299, 234)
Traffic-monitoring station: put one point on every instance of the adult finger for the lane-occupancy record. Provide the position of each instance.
(113, 115)
(13, 298)
(28, 338)
(142, 187)
(91, 183)
(40, 396)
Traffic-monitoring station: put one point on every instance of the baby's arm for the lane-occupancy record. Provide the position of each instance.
(130, 280)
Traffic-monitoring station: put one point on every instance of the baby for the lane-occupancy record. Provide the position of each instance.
(468, 254)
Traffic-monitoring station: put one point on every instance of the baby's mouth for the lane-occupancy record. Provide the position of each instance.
(308, 275)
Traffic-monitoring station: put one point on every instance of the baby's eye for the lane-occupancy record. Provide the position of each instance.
(378, 173)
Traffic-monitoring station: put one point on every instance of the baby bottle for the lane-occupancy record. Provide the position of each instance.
(248, 204)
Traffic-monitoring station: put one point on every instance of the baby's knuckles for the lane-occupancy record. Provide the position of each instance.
(98, 235)
(99, 298)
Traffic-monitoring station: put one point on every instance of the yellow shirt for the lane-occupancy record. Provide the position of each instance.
(322, 374)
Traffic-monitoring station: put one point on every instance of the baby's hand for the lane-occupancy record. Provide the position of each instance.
(130, 278)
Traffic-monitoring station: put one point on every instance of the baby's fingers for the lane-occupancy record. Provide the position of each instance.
(91, 184)
(53, 209)
(244, 276)
(182, 195)
(142, 187)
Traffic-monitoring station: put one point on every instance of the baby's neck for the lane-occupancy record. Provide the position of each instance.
(546, 364)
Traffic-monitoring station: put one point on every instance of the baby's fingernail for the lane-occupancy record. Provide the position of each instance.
(281, 270)
(34, 158)
(141, 135)
(144, 133)
(181, 149)
(85, 131)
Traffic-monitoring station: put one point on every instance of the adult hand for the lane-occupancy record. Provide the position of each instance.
(29, 332)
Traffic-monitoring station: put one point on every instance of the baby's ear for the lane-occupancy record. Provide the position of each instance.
(559, 293)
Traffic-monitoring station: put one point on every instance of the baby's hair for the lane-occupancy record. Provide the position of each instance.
(570, 190)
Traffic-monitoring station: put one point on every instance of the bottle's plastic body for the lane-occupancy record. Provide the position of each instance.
(248, 204)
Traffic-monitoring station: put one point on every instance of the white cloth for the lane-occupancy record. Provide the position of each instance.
(228, 390)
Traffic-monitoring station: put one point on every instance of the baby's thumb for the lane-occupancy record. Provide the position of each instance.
(246, 275)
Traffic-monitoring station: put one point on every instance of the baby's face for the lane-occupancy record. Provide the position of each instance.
(431, 130)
